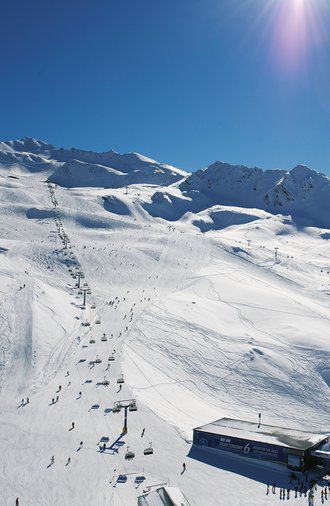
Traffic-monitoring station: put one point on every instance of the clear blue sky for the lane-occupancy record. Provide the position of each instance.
(183, 81)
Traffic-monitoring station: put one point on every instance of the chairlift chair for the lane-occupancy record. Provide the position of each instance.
(98, 321)
(133, 406)
(149, 450)
(104, 338)
(111, 358)
(120, 380)
(116, 408)
(92, 341)
(106, 382)
(129, 454)
(93, 306)
(97, 360)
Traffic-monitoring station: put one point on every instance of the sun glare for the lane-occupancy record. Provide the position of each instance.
(292, 28)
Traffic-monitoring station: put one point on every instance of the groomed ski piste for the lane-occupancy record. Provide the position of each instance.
(200, 321)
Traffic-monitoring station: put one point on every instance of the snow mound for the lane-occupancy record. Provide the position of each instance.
(115, 205)
(220, 218)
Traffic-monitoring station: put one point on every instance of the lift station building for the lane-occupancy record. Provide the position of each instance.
(298, 450)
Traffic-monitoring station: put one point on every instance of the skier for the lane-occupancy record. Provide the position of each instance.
(72, 426)
(143, 431)
(17, 502)
(57, 398)
(68, 461)
(81, 444)
(79, 394)
(27, 400)
(119, 388)
(52, 460)
(59, 388)
(104, 447)
(183, 467)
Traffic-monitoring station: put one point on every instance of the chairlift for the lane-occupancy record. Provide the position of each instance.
(111, 358)
(129, 454)
(98, 360)
(104, 338)
(85, 324)
(133, 406)
(92, 341)
(106, 382)
(85, 284)
(116, 408)
(93, 306)
(120, 380)
(149, 450)
(98, 321)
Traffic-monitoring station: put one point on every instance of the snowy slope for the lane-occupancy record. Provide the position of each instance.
(207, 318)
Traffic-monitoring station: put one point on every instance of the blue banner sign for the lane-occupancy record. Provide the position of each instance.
(241, 446)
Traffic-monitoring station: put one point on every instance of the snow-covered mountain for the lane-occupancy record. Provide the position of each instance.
(301, 193)
(78, 168)
(206, 296)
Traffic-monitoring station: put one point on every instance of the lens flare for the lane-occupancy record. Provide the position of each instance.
(292, 28)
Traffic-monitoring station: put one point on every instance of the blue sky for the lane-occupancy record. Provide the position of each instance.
(183, 81)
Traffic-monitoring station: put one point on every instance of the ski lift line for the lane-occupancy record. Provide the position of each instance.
(93, 424)
(109, 429)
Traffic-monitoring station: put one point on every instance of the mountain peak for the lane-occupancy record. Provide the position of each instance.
(29, 145)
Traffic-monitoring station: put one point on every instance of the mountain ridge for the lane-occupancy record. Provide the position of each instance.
(302, 193)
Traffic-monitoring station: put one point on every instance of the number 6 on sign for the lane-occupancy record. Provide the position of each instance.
(247, 448)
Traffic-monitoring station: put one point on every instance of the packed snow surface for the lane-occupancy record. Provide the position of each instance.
(210, 304)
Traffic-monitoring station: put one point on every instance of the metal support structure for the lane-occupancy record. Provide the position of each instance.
(85, 291)
(125, 405)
